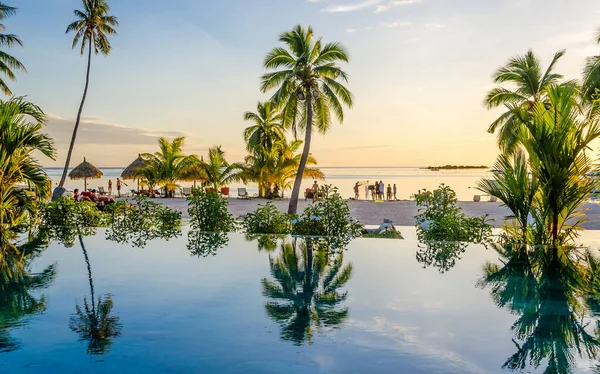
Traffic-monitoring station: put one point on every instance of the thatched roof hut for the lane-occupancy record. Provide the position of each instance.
(129, 171)
(85, 171)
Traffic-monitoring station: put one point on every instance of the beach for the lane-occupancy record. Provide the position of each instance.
(402, 213)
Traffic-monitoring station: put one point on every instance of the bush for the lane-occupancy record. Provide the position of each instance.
(208, 212)
(440, 219)
(266, 219)
(328, 217)
(65, 218)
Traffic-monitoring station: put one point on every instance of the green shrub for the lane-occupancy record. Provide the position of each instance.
(329, 217)
(266, 219)
(65, 218)
(208, 212)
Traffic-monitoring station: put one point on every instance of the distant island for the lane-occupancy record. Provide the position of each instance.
(454, 167)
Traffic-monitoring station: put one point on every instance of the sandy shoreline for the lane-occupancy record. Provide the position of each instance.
(402, 213)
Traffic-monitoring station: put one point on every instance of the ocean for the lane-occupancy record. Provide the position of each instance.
(408, 180)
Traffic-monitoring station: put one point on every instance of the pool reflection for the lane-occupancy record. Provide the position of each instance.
(306, 288)
(551, 291)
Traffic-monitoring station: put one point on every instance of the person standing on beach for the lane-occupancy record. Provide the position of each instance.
(356, 191)
(389, 192)
(315, 189)
(119, 182)
(110, 186)
(367, 191)
(381, 190)
(395, 191)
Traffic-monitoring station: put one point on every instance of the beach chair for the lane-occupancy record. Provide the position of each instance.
(243, 194)
(476, 198)
(493, 199)
(187, 191)
(101, 190)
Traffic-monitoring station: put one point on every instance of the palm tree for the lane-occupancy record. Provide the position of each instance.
(305, 290)
(308, 88)
(92, 28)
(20, 139)
(267, 128)
(591, 75)
(7, 62)
(558, 135)
(531, 83)
(218, 171)
(168, 165)
(94, 322)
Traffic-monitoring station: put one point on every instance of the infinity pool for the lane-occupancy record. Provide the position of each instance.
(372, 309)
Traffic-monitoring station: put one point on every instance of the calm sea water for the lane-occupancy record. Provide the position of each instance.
(385, 306)
(408, 180)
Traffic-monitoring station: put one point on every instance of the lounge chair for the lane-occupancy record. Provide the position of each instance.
(101, 190)
(476, 198)
(187, 191)
(243, 194)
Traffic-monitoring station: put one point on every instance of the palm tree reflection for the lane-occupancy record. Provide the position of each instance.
(305, 289)
(545, 287)
(93, 322)
(17, 287)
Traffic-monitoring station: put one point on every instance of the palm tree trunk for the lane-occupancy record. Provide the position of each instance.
(293, 208)
(89, 268)
(87, 82)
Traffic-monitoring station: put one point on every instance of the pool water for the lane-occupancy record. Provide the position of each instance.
(238, 309)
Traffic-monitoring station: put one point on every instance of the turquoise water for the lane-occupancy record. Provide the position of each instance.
(230, 312)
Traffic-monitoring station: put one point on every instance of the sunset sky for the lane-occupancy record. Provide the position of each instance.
(419, 71)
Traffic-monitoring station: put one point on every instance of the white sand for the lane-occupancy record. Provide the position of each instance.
(402, 213)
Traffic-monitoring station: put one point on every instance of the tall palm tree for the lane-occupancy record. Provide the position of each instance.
(168, 165)
(591, 75)
(94, 322)
(305, 290)
(92, 28)
(218, 171)
(267, 128)
(7, 62)
(531, 84)
(21, 123)
(308, 88)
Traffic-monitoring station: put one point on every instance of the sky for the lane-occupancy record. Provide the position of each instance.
(419, 70)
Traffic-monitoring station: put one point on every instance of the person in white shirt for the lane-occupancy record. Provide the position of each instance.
(367, 191)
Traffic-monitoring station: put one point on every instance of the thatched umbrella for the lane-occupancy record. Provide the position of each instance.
(84, 171)
(129, 172)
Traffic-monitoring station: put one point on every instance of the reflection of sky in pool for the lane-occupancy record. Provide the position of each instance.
(185, 314)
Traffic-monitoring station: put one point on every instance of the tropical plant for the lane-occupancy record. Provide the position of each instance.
(20, 139)
(591, 76)
(219, 173)
(267, 127)
(7, 62)
(276, 168)
(531, 84)
(266, 219)
(167, 166)
(208, 212)
(306, 289)
(92, 28)
(307, 89)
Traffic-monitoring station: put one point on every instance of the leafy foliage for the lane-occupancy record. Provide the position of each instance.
(8, 64)
(208, 212)
(266, 219)
(65, 218)
(139, 223)
(204, 244)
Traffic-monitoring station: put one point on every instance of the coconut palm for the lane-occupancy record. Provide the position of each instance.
(305, 289)
(267, 128)
(94, 321)
(21, 123)
(7, 62)
(218, 171)
(92, 28)
(591, 75)
(308, 88)
(531, 84)
(168, 165)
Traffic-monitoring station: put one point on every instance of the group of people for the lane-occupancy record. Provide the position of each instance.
(119, 185)
(93, 197)
(376, 191)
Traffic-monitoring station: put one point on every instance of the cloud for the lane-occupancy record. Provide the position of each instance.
(351, 7)
(351, 30)
(94, 132)
(394, 25)
(434, 26)
(384, 8)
